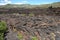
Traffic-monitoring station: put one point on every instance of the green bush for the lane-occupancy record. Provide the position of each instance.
(3, 26)
(34, 38)
(1, 36)
(23, 14)
(31, 14)
(3, 29)
(20, 36)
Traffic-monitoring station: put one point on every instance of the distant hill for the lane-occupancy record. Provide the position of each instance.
(55, 4)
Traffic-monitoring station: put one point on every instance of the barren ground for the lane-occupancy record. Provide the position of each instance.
(41, 27)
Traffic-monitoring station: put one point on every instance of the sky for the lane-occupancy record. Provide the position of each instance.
(32, 2)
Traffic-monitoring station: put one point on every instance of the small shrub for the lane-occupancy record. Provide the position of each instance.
(23, 14)
(1, 36)
(3, 26)
(34, 38)
(31, 14)
(20, 36)
(3, 29)
(52, 35)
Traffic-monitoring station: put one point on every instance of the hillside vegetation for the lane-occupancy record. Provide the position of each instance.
(55, 4)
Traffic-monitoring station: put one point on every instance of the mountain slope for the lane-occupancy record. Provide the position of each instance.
(55, 4)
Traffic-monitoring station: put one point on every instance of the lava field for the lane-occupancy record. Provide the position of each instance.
(32, 27)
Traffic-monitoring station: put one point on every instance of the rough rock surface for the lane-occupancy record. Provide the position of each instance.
(43, 27)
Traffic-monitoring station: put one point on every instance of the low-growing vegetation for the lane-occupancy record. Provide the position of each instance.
(31, 14)
(3, 29)
(34, 38)
(20, 36)
(23, 14)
